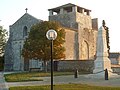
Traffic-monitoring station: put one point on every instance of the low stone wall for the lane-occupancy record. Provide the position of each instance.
(71, 65)
(81, 65)
(116, 70)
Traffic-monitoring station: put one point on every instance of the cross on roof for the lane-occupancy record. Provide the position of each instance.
(26, 9)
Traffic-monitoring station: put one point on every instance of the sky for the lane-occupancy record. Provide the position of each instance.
(108, 10)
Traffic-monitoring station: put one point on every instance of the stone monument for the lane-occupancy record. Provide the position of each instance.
(102, 61)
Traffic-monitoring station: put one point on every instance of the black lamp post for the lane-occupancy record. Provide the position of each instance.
(51, 35)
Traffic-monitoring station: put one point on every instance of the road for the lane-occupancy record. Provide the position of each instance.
(82, 79)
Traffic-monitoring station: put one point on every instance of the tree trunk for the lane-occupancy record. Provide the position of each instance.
(45, 65)
(26, 65)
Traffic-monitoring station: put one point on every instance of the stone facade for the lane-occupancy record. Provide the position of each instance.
(80, 35)
(18, 33)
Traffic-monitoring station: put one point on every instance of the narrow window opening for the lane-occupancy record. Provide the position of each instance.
(25, 32)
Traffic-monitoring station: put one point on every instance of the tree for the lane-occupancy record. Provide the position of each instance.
(3, 34)
(37, 46)
(107, 35)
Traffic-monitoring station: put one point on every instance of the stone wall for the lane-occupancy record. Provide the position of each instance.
(70, 42)
(80, 44)
(71, 65)
(114, 61)
(80, 37)
(8, 60)
(17, 28)
(116, 70)
(64, 19)
(13, 59)
(85, 20)
(81, 65)
(95, 23)
(87, 44)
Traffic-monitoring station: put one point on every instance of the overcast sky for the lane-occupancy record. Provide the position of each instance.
(108, 10)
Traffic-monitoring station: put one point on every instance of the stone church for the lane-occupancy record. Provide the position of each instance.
(80, 28)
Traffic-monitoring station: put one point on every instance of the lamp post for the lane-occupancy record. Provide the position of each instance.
(51, 35)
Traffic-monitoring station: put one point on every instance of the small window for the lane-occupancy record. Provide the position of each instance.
(25, 32)
(68, 9)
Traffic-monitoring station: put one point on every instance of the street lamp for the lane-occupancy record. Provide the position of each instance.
(51, 35)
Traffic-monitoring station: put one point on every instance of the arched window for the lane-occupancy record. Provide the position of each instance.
(25, 32)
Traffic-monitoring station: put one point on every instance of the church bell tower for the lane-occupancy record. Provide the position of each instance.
(81, 36)
(69, 15)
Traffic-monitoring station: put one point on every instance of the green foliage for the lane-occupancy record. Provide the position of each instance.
(107, 35)
(108, 41)
(65, 87)
(37, 46)
(3, 34)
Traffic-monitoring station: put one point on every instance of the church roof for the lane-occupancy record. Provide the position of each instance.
(67, 5)
(27, 14)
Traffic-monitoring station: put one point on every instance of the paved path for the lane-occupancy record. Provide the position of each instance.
(82, 79)
(3, 85)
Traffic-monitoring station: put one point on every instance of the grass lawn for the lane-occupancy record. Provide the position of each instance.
(65, 87)
(29, 76)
